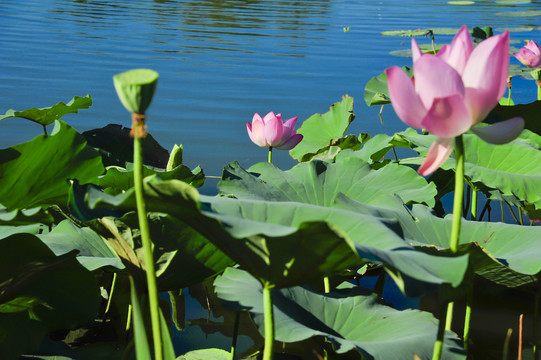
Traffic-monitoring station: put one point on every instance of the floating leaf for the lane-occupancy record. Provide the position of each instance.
(320, 131)
(460, 2)
(527, 13)
(419, 32)
(46, 116)
(377, 331)
(36, 173)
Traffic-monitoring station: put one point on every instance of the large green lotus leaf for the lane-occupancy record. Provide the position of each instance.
(280, 255)
(25, 216)
(46, 116)
(37, 286)
(376, 91)
(513, 168)
(93, 251)
(320, 131)
(36, 172)
(529, 112)
(375, 241)
(506, 254)
(118, 179)
(351, 318)
(115, 145)
(182, 256)
(319, 183)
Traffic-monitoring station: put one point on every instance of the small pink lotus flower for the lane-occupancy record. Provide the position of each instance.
(270, 131)
(453, 91)
(530, 55)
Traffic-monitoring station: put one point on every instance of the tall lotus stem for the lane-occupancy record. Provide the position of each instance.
(536, 74)
(138, 130)
(270, 154)
(269, 323)
(447, 315)
(135, 89)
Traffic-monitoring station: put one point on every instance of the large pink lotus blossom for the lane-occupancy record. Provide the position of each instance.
(453, 91)
(271, 131)
(530, 55)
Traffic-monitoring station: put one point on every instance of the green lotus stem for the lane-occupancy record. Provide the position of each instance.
(459, 194)
(474, 205)
(269, 323)
(447, 315)
(44, 130)
(501, 204)
(467, 317)
(520, 216)
(111, 294)
(270, 154)
(438, 345)
(326, 285)
(235, 335)
(147, 244)
(128, 318)
(538, 82)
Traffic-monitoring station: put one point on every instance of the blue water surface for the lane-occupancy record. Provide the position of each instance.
(220, 62)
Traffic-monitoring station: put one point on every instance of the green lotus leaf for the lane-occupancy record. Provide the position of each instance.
(351, 318)
(279, 255)
(319, 182)
(115, 145)
(93, 251)
(206, 354)
(46, 116)
(376, 91)
(513, 168)
(36, 173)
(63, 294)
(26, 216)
(529, 112)
(182, 256)
(320, 131)
(375, 241)
(117, 179)
(503, 253)
(135, 89)
(528, 13)
(419, 32)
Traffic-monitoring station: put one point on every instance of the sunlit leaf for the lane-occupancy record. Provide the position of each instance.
(46, 116)
(320, 131)
(319, 182)
(36, 173)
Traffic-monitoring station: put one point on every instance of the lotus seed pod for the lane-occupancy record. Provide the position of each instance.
(135, 89)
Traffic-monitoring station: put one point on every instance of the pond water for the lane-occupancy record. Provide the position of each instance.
(219, 63)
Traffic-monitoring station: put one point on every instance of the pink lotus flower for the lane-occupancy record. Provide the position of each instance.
(453, 91)
(272, 132)
(530, 55)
